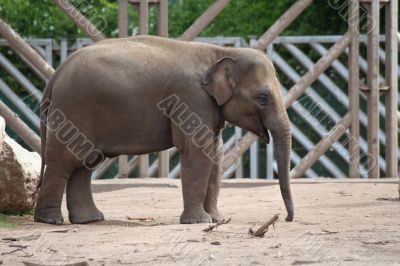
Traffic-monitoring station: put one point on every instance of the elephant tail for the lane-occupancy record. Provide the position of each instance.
(45, 105)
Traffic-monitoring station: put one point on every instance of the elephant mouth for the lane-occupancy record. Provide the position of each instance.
(263, 132)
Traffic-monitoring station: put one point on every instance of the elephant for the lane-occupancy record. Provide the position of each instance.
(125, 96)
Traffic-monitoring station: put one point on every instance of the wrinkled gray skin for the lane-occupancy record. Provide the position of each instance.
(110, 90)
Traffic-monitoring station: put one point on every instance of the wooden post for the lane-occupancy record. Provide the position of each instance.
(254, 160)
(144, 165)
(143, 7)
(270, 160)
(143, 17)
(373, 89)
(123, 19)
(163, 18)
(354, 86)
(163, 156)
(123, 166)
(122, 33)
(391, 68)
(144, 30)
(239, 163)
(163, 165)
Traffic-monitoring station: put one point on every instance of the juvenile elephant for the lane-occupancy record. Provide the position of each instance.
(146, 94)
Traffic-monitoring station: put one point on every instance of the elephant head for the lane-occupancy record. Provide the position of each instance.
(245, 86)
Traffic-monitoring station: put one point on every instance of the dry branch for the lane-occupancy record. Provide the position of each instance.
(19, 248)
(9, 239)
(327, 232)
(83, 263)
(59, 231)
(140, 219)
(264, 228)
(13, 251)
(212, 227)
(382, 242)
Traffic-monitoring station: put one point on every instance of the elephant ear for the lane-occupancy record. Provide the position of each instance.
(219, 81)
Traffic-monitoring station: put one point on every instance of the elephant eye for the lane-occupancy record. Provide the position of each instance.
(263, 99)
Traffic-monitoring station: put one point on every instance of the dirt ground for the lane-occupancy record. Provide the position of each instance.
(336, 223)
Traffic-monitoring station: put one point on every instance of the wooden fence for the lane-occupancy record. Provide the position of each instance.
(349, 44)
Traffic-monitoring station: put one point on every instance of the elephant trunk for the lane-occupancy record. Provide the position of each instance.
(282, 146)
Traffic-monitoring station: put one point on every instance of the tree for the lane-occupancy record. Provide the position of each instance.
(240, 18)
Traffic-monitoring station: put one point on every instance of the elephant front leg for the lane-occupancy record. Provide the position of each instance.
(195, 173)
(210, 204)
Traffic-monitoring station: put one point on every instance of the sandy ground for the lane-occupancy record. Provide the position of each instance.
(336, 223)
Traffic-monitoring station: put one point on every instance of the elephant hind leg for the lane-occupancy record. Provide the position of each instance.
(80, 202)
(48, 204)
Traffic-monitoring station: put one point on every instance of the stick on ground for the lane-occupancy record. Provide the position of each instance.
(20, 248)
(212, 227)
(140, 219)
(83, 263)
(264, 228)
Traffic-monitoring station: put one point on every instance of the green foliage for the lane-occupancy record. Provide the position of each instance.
(245, 18)
(32, 18)
(27, 212)
(43, 19)
(4, 223)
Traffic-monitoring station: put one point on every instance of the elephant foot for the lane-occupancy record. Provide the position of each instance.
(216, 216)
(195, 217)
(85, 217)
(49, 216)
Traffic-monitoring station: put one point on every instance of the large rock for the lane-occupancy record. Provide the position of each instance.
(19, 174)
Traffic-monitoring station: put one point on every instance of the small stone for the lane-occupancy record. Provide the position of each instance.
(217, 243)
(192, 240)
(211, 257)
